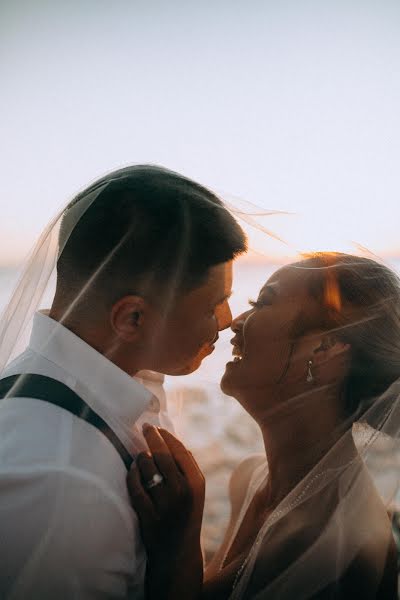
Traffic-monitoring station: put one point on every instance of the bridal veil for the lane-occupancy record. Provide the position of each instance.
(376, 431)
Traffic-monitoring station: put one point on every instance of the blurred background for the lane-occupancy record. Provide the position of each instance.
(290, 105)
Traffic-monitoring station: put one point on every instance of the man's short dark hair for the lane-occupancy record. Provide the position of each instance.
(150, 231)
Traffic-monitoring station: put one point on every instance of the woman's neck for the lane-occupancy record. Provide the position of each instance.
(297, 439)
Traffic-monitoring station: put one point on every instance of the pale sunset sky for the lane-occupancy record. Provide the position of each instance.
(291, 105)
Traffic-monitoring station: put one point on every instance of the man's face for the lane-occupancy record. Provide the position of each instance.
(188, 333)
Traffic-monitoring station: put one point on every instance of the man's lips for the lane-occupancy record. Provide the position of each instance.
(210, 346)
(215, 339)
(206, 350)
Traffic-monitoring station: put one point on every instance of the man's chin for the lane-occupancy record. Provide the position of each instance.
(191, 365)
(187, 369)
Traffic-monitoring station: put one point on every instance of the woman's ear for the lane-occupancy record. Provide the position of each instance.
(329, 347)
(128, 317)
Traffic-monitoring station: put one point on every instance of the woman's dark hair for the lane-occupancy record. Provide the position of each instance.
(360, 304)
(150, 231)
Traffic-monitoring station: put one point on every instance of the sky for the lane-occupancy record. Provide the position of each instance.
(290, 105)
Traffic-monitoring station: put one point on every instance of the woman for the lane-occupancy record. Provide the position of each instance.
(316, 352)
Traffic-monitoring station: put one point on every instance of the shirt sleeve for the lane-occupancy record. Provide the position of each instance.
(64, 535)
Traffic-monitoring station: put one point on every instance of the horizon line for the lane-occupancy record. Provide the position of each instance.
(251, 257)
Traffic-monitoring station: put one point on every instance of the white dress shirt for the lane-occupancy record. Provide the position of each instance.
(67, 530)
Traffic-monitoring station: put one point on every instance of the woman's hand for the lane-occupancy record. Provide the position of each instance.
(167, 491)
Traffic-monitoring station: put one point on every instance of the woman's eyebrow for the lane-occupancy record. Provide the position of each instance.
(271, 289)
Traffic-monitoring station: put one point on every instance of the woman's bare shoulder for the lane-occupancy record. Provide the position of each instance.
(239, 483)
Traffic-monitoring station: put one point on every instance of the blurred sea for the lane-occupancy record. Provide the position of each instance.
(212, 425)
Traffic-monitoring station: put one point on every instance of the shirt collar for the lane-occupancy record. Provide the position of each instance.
(122, 395)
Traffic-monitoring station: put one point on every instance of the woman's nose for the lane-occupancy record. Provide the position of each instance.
(238, 322)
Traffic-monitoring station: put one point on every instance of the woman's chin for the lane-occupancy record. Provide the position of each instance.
(228, 378)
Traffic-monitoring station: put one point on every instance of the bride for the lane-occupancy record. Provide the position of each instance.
(315, 354)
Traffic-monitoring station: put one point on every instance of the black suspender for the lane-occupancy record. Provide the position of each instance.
(57, 393)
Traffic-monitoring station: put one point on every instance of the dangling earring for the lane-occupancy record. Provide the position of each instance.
(310, 376)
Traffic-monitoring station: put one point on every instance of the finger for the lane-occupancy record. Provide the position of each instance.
(147, 469)
(160, 492)
(183, 457)
(140, 500)
(161, 454)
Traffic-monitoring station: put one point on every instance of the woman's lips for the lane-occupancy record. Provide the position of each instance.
(237, 357)
(233, 364)
(237, 351)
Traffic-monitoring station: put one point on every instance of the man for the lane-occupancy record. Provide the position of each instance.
(143, 282)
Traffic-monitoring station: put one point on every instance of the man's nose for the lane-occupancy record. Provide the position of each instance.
(224, 318)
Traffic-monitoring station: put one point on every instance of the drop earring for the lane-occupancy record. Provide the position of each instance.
(310, 376)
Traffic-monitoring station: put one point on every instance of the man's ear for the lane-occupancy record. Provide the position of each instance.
(128, 316)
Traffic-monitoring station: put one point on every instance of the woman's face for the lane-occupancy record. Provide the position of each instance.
(264, 354)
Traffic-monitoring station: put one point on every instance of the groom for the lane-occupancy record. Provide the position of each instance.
(142, 286)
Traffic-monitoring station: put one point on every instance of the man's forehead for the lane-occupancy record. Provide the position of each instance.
(218, 285)
(221, 274)
(221, 280)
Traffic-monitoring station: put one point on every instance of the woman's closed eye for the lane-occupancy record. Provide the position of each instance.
(258, 303)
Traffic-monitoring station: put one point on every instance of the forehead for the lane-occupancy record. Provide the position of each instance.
(288, 282)
(220, 278)
(215, 289)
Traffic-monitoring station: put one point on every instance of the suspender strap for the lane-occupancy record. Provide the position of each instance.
(52, 391)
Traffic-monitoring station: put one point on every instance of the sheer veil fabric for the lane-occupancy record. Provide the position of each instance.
(340, 499)
(38, 277)
(342, 489)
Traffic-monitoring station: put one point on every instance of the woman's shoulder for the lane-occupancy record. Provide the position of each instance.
(372, 574)
(361, 548)
(366, 541)
(242, 477)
